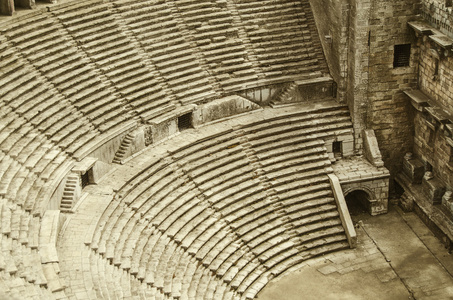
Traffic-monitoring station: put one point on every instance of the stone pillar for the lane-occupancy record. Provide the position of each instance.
(357, 70)
(7, 7)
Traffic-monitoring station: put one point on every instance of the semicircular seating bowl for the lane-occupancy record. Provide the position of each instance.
(220, 217)
(82, 72)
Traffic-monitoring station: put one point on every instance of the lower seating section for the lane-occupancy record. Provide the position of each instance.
(21, 273)
(220, 217)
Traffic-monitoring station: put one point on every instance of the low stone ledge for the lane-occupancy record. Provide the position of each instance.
(343, 210)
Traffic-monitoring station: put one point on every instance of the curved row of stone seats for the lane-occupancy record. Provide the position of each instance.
(291, 156)
(101, 37)
(13, 287)
(338, 229)
(20, 258)
(45, 43)
(284, 36)
(160, 33)
(110, 282)
(168, 39)
(147, 274)
(29, 166)
(216, 217)
(19, 224)
(211, 26)
(40, 105)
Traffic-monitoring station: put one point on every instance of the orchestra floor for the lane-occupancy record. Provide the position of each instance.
(397, 257)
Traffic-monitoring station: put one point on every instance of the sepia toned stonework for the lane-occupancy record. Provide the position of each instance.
(180, 149)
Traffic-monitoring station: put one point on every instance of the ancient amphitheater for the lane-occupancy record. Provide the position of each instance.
(163, 149)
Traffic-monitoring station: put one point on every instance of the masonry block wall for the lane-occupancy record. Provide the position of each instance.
(435, 78)
(360, 58)
(438, 14)
(333, 36)
(436, 152)
(436, 75)
(374, 84)
(388, 110)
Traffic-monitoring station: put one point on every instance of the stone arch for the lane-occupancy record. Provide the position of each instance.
(359, 199)
(364, 189)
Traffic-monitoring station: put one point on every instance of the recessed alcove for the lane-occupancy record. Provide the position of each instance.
(185, 121)
(358, 203)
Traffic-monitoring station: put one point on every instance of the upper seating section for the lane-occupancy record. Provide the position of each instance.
(161, 35)
(211, 25)
(100, 36)
(283, 35)
(78, 72)
(48, 49)
(114, 58)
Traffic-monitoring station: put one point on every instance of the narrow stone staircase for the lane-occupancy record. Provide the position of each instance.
(69, 193)
(284, 96)
(125, 145)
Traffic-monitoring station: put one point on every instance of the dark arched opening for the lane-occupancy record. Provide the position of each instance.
(358, 203)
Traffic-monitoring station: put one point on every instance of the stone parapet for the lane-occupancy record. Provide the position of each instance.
(343, 210)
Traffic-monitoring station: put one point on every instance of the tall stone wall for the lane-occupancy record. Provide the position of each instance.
(435, 80)
(387, 107)
(438, 14)
(360, 57)
(332, 21)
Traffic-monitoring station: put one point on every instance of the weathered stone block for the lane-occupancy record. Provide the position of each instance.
(433, 189)
(414, 169)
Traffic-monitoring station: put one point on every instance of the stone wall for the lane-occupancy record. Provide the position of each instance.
(357, 71)
(434, 80)
(387, 111)
(7, 7)
(436, 153)
(438, 87)
(360, 58)
(332, 19)
(438, 15)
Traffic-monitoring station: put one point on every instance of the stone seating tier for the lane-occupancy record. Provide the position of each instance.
(205, 201)
(76, 73)
(95, 25)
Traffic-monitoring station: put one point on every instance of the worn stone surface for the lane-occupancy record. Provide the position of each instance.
(78, 77)
(397, 258)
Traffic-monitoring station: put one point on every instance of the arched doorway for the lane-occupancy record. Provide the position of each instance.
(358, 202)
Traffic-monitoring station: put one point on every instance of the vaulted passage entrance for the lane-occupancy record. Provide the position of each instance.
(358, 202)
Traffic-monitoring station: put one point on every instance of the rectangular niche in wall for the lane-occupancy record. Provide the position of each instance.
(401, 55)
(185, 121)
(85, 179)
(337, 149)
